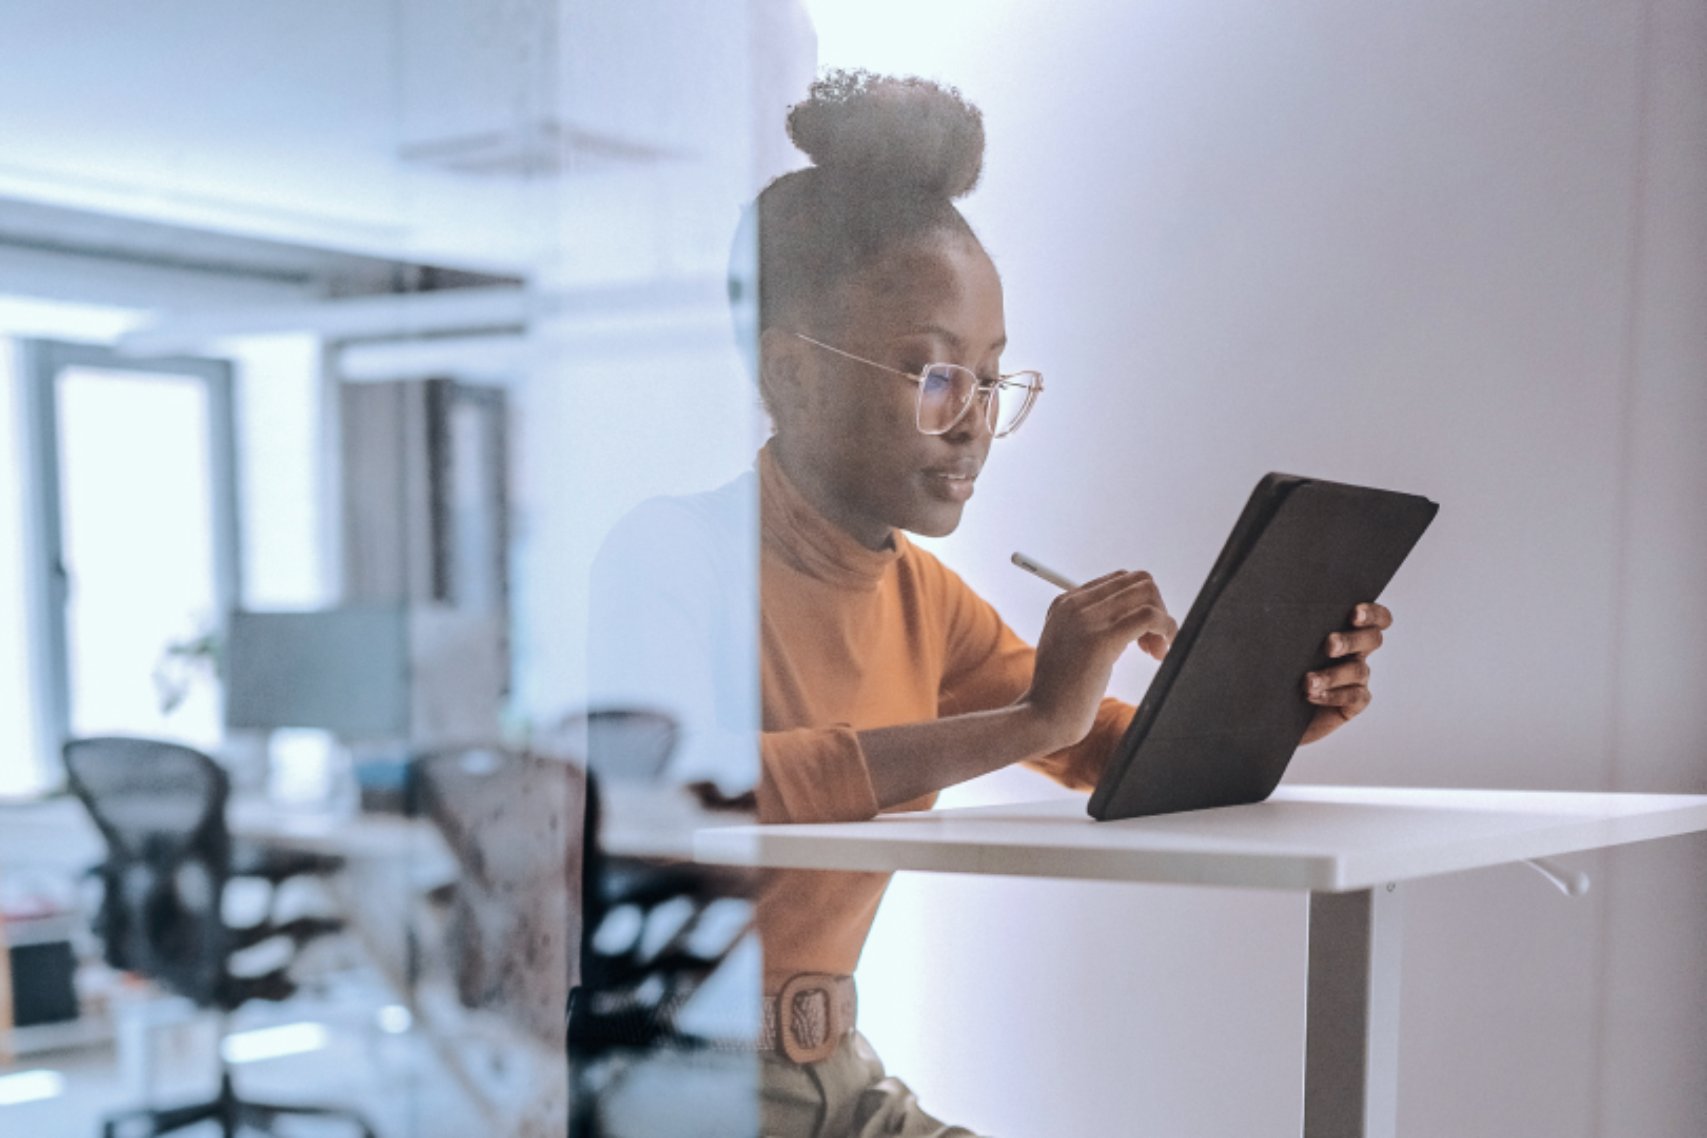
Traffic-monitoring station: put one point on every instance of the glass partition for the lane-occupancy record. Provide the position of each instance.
(372, 588)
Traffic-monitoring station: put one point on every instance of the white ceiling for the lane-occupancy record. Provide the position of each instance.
(292, 121)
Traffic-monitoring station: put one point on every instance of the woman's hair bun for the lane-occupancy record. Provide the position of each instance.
(901, 131)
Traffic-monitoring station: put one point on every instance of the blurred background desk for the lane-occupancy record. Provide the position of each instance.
(361, 834)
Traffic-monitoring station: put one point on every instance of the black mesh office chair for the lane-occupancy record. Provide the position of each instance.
(653, 931)
(161, 808)
(629, 744)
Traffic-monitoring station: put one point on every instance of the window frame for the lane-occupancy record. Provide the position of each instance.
(39, 363)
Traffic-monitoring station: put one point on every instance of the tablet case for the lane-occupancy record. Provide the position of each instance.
(1225, 711)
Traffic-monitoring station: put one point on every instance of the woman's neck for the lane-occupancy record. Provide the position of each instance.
(869, 532)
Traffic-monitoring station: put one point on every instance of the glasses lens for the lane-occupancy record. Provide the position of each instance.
(1010, 402)
(944, 391)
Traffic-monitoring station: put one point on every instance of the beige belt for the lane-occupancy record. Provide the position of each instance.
(809, 1017)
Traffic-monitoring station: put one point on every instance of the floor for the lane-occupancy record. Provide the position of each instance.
(363, 1055)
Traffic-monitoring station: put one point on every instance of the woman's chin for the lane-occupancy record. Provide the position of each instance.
(937, 519)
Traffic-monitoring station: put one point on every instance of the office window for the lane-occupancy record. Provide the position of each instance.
(160, 519)
(130, 479)
(20, 769)
(136, 492)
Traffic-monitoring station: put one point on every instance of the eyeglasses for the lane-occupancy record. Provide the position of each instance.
(947, 392)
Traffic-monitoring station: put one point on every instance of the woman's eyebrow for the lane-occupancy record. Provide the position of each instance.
(942, 333)
(936, 330)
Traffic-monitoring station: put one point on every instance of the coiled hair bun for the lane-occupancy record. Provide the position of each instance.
(889, 156)
(875, 129)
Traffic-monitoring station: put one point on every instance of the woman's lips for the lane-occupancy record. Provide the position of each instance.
(949, 485)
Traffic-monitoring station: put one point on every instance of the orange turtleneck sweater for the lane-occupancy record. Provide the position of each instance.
(852, 639)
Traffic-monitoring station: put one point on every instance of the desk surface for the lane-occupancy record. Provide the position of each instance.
(639, 821)
(324, 832)
(1320, 838)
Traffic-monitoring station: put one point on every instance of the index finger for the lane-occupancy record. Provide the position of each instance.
(1112, 582)
(1091, 591)
(1371, 615)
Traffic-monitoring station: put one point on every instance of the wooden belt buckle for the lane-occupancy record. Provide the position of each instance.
(813, 1012)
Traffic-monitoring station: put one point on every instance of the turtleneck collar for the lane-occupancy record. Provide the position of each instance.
(792, 527)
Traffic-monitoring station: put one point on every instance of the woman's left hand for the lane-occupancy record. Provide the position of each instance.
(1341, 690)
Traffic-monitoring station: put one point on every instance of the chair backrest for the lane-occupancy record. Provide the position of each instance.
(652, 932)
(514, 823)
(626, 744)
(161, 808)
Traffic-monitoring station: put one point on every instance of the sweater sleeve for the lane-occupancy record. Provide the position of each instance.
(988, 666)
(814, 774)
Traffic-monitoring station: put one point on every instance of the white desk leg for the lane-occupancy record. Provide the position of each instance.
(1351, 1036)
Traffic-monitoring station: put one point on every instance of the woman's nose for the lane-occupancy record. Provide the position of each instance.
(975, 420)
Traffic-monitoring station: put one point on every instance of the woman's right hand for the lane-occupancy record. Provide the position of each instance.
(1084, 634)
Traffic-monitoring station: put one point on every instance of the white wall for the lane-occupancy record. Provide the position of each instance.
(1451, 248)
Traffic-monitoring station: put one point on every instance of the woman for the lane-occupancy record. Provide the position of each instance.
(884, 678)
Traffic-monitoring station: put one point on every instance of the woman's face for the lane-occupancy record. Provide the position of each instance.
(852, 436)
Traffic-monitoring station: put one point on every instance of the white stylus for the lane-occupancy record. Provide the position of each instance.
(1043, 571)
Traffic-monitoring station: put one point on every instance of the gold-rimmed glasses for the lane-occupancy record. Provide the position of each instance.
(947, 391)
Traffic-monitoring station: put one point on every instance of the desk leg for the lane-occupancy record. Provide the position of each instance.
(1351, 1037)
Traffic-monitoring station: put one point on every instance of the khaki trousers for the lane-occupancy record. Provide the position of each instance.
(845, 1096)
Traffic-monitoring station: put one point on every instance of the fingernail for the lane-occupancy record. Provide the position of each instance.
(1363, 614)
(1335, 645)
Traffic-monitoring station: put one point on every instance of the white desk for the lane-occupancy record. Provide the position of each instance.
(360, 835)
(1348, 847)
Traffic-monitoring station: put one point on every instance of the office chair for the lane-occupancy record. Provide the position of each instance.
(161, 808)
(629, 744)
(642, 954)
(652, 931)
(513, 821)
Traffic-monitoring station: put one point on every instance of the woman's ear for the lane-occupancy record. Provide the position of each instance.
(783, 384)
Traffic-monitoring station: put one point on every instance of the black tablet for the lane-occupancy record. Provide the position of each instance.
(1226, 709)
